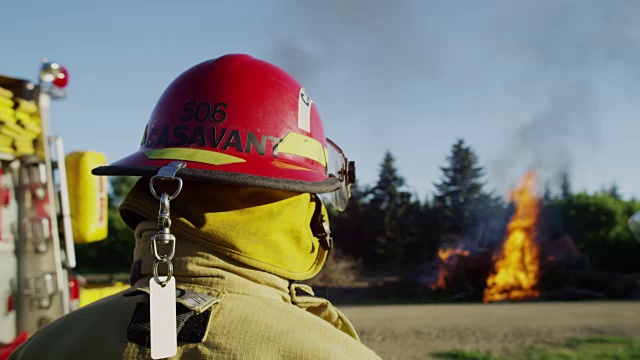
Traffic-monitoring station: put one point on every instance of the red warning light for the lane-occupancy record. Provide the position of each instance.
(62, 77)
(54, 73)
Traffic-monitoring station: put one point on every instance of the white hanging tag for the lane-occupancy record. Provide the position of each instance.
(164, 340)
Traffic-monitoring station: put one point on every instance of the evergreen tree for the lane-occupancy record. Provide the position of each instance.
(546, 197)
(460, 189)
(349, 228)
(429, 232)
(385, 211)
(412, 230)
(565, 186)
(389, 184)
(614, 191)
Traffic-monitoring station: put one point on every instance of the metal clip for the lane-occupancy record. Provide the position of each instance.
(327, 240)
(168, 172)
(164, 218)
(37, 231)
(40, 288)
(164, 235)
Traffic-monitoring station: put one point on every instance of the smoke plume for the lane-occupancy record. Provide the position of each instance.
(367, 43)
(564, 52)
(550, 60)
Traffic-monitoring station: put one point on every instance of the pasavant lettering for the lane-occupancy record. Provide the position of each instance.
(211, 137)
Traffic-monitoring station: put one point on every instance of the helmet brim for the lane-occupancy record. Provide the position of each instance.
(327, 185)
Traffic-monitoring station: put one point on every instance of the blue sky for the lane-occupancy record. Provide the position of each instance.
(548, 84)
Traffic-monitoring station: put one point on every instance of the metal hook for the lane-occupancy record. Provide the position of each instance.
(168, 172)
(155, 194)
(164, 235)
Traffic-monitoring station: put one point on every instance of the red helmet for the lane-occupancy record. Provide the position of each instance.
(239, 120)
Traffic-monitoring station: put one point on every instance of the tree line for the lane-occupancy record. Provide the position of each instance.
(388, 228)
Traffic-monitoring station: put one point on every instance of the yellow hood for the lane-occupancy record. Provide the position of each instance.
(265, 229)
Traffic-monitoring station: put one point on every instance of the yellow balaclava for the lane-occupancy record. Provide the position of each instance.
(269, 230)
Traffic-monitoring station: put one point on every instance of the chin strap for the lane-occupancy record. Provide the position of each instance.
(320, 226)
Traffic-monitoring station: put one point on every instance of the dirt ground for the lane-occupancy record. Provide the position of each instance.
(414, 331)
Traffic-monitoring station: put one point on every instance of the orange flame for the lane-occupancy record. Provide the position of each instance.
(447, 256)
(517, 270)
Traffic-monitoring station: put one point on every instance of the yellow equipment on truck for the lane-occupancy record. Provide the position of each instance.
(47, 205)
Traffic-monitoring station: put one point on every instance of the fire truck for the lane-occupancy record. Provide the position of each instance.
(48, 203)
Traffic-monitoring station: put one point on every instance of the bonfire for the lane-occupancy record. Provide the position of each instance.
(517, 268)
(447, 258)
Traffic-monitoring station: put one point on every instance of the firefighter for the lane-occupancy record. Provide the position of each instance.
(227, 220)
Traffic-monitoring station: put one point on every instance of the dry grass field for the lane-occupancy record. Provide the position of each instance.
(416, 331)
